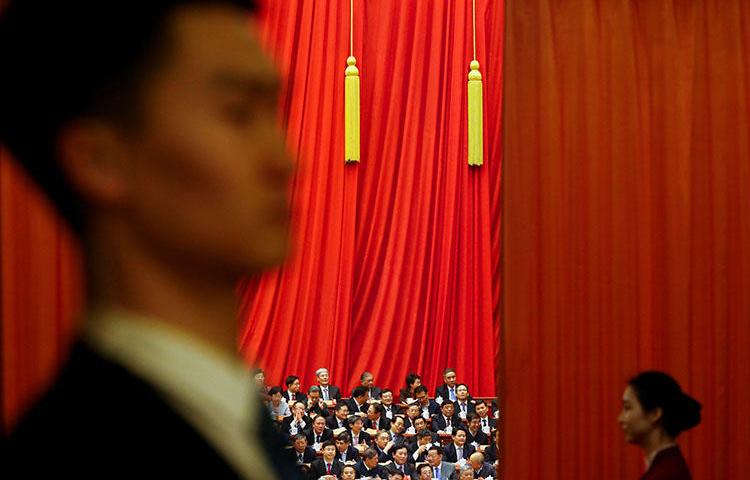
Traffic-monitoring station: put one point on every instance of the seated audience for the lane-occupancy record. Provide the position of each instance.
(447, 391)
(348, 472)
(479, 467)
(339, 418)
(485, 420)
(383, 445)
(376, 419)
(420, 424)
(327, 467)
(277, 407)
(390, 409)
(327, 392)
(259, 378)
(474, 433)
(302, 451)
(360, 438)
(440, 469)
(368, 466)
(344, 450)
(428, 407)
(424, 472)
(464, 472)
(412, 381)
(292, 393)
(400, 461)
(318, 433)
(358, 402)
(421, 446)
(396, 431)
(464, 403)
(367, 381)
(297, 422)
(315, 405)
(458, 449)
(413, 412)
(447, 420)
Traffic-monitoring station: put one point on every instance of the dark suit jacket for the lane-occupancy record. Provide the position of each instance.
(299, 397)
(439, 423)
(470, 407)
(99, 419)
(375, 393)
(287, 424)
(668, 464)
(393, 468)
(308, 456)
(434, 408)
(310, 434)
(450, 452)
(377, 472)
(318, 468)
(364, 437)
(394, 409)
(333, 423)
(333, 392)
(383, 456)
(383, 423)
(481, 438)
(353, 408)
(442, 391)
(490, 420)
(351, 454)
(487, 470)
(490, 455)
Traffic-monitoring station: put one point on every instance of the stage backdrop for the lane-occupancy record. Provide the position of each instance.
(396, 262)
(396, 259)
(626, 229)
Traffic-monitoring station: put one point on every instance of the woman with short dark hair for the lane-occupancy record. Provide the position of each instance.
(655, 411)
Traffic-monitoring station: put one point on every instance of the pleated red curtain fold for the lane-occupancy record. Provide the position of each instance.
(396, 259)
(626, 229)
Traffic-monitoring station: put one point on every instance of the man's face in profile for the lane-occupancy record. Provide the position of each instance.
(208, 173)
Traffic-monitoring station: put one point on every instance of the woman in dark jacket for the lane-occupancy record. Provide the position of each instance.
(654, 412)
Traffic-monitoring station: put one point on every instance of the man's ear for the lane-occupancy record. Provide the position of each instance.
(92, 156)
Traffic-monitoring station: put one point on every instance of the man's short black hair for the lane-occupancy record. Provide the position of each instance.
(438, 449)
(65, 60)
(420, 389)
(290, 380)
(274, 390)
(359, 391)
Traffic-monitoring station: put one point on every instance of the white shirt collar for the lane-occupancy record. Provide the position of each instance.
(209, 388)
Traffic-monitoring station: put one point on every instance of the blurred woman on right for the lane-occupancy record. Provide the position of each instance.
(654, 412)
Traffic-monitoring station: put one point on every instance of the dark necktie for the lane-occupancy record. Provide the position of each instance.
(484, 422)
(299, 455)
(292, 397)
(447, 422)
(317, 439)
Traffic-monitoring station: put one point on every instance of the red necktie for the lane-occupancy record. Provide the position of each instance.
(328, 468)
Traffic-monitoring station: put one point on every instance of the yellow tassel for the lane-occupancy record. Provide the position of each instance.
(351, 110)
(476, 145)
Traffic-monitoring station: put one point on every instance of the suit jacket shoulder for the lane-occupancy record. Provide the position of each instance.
(669, 464)
(96, 415)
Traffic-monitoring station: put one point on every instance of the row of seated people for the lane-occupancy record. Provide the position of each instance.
(451, 389)
(436, 464)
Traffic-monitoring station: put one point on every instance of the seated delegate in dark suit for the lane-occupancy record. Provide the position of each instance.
(368, 466)
(481, 468)
(390, 410)
(314, 404)
(344, 450)
(418, 450)
(447, 391)
(458, 448)
(297, 422)
(447, 420)
(400, 461)
(318, 433)
(292, 393)
(421, 426)
(340, 418)
(373, 392)
(486, 421)
(412, 412)
(376, 418)
(427, 407)
(302, 452)
(383, 446)
(358, 402)
(327, 465)
(474, 433)
(397, 431)
(464, 404)
(359, 437)
(327, 392)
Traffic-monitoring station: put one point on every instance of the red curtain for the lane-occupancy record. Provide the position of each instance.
(396, 259)
(626, 229)
(41, 290)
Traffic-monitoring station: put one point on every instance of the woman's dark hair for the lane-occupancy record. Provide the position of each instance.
(411, 378)
(656, 389)
(291, 379)
(274, 390)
